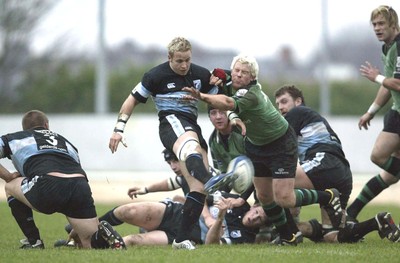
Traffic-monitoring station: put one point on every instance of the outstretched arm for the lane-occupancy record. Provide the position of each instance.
(160, 186)
(217, 101)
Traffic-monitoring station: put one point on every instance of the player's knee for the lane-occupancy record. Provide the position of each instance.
(188, 148)
(284, 200)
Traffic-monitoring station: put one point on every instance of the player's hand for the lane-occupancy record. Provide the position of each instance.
(223, 205)
(115, 139)
(240, 123)
(235, 202)
(218, 77)
(194, 93)
(135, 191)
(365, 120)
(369, 71)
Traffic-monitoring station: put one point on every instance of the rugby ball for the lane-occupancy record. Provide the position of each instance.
(243, 170)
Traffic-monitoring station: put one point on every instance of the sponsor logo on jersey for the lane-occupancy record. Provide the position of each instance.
(171, 85)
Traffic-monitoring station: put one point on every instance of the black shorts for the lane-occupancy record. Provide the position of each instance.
(172, 220)
(326, 170)
(172, 126)
(391, 122)
(69, 196)
(277, 159)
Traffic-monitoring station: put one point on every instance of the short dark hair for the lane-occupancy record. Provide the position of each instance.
(169, 155)
(33, 119)
(292, 90)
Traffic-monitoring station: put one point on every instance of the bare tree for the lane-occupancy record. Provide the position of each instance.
(18, 19)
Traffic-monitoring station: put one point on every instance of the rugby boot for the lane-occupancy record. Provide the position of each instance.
(334, 208)
(387, 227)
(111, 236)
(185, 244)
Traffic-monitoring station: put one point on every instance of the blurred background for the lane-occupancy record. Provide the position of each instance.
(78, 60)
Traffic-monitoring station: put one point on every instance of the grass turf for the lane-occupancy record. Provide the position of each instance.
(372, 249)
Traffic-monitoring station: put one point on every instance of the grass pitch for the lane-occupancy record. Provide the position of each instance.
(372, 249)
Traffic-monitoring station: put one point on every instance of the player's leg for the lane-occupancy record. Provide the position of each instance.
(84, 228)
(192, 155)
(386, 155)
(369, 191)
(21, 209)
(151, 238)
(382, 222)
(147, 215)
(387, 144)
(274, 212)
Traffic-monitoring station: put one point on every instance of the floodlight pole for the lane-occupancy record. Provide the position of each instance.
(325, 104)
(101, 90)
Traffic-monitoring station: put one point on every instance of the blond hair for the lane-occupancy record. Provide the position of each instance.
(246, 59)
(388, 13)
(178, 44)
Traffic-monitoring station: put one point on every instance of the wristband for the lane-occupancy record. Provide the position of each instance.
(232, 115)
(374, 108)
(379, 79)
(122, 120)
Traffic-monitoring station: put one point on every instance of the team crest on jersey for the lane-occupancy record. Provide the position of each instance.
(171, 85)
(197, 84)
(241, 92)
(235, 234)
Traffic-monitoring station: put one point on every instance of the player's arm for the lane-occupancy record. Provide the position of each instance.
(218, 101)
(6, 175)
(208, 219)
(382, 97)
(215, 232)
(124, 114)
(170, 184)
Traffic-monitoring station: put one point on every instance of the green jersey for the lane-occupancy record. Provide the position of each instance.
(390, 58)
(225, 148)
(264, 124)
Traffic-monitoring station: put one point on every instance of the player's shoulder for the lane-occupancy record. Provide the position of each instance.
(161, 68)
(198, 70)
(301, 110)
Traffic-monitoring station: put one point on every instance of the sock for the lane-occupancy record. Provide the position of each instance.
(290, 220)
(316, 234)
(111, 218)
(370, 190)
(354, 232)
(392, 166)
(191, 212)
(277, 216)
(24, 217)
(98, 242)
(197, 169)
(306, 197)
